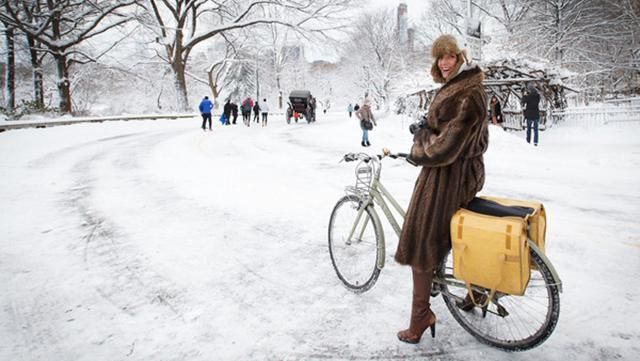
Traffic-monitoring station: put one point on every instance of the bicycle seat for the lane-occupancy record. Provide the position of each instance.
(491, 208)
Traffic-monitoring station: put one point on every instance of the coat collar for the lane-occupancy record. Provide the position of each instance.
(469, 73)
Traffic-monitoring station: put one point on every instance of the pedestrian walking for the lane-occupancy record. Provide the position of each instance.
(226, 111)
(206, 107)
(531, 110)
(367, 121)
(350, 109)
(234, 112)
(256, 112)
(247, 105)
(449, 148)
(495, 112)
(264, 109)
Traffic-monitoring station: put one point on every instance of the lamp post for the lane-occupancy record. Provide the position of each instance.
(257, 81)
(257, 72)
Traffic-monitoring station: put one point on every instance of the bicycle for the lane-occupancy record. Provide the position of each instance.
(357, 251)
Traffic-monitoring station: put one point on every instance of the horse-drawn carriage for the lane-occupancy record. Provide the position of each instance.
(301, 102)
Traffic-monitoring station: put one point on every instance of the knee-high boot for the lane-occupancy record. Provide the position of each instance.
(421, 315)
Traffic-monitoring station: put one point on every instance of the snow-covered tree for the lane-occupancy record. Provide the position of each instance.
(10, 69)
(183, 25)
(280, 54)
(374, 53)
(508, 13)
(36, 55)
(231, 73)
(596, 38)
(444, 16)
(61, 27)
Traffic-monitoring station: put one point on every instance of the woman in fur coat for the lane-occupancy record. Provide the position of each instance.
(450, 149)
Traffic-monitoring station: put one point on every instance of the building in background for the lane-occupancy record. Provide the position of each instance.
(293, 52)
(404, 33)
(402, 23)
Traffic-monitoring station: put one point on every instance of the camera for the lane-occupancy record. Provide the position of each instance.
(413, 128)
(421, 123)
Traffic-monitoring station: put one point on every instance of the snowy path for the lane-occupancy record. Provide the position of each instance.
(156, 241)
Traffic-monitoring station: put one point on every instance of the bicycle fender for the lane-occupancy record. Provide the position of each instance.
(547, 262)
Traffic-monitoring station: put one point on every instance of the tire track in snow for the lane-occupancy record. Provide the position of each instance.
(124, 279)
(40, 338)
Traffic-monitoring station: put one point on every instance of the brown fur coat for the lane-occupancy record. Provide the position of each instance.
(450, 150)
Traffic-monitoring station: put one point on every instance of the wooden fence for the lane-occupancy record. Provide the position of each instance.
(596, 116)
(515, 120)
(580, 117)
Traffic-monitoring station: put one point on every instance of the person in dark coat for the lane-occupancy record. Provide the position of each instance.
(206, 107)
(234, 112)
(531, 110)
(449, 148)
(495, 111)
(226, 111)
(256, 112)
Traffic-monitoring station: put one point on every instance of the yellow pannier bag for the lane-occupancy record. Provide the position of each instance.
(490, 252)
(537, 221)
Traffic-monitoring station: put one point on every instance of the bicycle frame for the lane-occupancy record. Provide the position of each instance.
(505, 313)
(379, 195)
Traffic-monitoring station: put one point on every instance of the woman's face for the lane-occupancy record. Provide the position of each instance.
(446, 64)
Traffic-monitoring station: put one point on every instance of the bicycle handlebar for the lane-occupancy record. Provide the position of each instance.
(350, 157)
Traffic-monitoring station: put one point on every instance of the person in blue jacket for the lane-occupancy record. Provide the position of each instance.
(206, 107)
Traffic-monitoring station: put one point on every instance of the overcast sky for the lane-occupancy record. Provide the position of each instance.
(415, 7)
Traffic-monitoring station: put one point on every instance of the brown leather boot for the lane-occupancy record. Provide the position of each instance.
(467, 304)
(421, 315)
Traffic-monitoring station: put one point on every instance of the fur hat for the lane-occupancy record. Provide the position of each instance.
(445, 44)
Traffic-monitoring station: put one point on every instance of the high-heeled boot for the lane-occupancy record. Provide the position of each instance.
(467, 304)
(421, 315)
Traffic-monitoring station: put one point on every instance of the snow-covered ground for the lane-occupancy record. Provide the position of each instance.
(153, 240)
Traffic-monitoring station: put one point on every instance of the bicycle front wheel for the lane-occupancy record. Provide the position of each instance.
(512, 323)
(354, 244)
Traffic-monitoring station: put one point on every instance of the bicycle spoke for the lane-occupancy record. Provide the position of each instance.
(353, 244)
(530, 319)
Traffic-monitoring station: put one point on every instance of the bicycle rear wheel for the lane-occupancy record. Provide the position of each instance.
(355, 259)
(512, 323)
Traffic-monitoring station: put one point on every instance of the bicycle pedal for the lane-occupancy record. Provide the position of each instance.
(502, 312)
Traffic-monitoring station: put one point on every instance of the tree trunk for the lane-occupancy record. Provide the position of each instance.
(181, 84)
(63, 83)
(36, 66)
(214, 89)
(10, 71)
(279, 91)
(558, 36)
